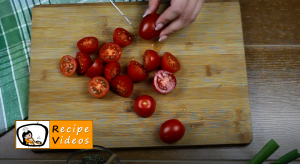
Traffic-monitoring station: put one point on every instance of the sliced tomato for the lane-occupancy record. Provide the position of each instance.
(164, 81)
(122, 85)
(122, 37)
(151, 60)
(136, 71)
(111, 70)
(67, 65)
(84, 60)
(95, 70)
(88, 45)
(170, 63)
(98, 86)
(110, 52)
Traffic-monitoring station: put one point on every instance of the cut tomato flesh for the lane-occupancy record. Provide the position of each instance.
(121, 88)
(114, 72)
(139, 68)
(122, 36)
(88, 42)
(67, 66)
(172, 62)
(99, 86)
(111, 52)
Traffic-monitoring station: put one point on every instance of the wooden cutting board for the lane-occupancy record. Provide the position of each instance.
(211, 98)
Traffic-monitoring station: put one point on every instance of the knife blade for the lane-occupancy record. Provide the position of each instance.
(121, 13)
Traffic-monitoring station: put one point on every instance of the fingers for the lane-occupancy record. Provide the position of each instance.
(176, 9)
(197, 9)
(181, 21)
(153, 6)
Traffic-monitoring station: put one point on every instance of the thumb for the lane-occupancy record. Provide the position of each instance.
(153, 6)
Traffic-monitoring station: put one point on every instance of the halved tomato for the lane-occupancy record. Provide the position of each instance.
(84, 60)
(122, 85)
(111, 70)
(151, 60)
(110, 52)
(67, 65)
(170, 63)
(88, 45)
(98, 86)
(95, 70)
(136, 71)
(164, 81)
(122, 37)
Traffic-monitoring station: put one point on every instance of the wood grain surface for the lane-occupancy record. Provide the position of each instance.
(274, 85)
(211, 97)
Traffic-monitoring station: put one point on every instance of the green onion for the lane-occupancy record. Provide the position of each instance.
(264, 153)
(289, 157)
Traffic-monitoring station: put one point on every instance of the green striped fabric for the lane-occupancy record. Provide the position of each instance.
(15, 32)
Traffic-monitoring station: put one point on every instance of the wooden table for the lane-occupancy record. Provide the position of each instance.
(272, 44)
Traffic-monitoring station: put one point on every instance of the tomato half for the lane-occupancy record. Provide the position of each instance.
(151, 60)
(164, 81)
(98, 86)
(122, 85)
(144, 106)
(170, 63)
(171, 131)
(111, 70)
(88, 45)
(136, 71)
(122, 37)
(147, 27)
(84, 60)
(95, 70)
(110, 52)
(67, 65)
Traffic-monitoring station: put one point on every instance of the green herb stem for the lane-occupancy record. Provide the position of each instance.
(264, 153)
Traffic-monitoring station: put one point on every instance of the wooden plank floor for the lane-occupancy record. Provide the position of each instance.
(272, 45)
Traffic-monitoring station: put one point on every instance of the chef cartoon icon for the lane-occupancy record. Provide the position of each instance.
(28, 138)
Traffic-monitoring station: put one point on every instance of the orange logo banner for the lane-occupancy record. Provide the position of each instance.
(71, 134)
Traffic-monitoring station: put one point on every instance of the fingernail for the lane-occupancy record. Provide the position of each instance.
(162, 38)
(146, 12)
(159, 26)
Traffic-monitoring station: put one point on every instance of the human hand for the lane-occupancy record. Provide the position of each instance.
(179, 15)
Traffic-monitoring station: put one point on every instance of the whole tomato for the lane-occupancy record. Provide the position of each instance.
(171, 131)
(144, 106)
(147, 27)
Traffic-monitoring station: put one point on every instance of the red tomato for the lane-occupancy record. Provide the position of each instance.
(111, 70)
(144, 106)
(164, 81)
(122, 85)
(136, 71)
(122, 37)
(95, 70)
(171, 131)
(84, 60)
(110, 52)
(151, 60)
(67, 65)
(170, 63)
(98, 86)
(88, 45)
(147, 27)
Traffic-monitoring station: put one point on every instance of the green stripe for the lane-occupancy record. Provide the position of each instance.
(28, 9)
(24, 19)
(22, 32)
(49, 2)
